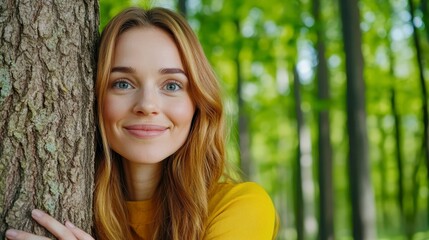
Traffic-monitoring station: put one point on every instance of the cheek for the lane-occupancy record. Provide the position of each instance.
(184, 113)
(111, 110)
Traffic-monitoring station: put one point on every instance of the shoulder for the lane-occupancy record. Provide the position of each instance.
(225, 193)
(240, 211)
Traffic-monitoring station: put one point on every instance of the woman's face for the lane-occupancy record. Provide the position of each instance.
(148, 109)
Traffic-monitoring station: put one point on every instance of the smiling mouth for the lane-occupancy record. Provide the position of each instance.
(145, 131)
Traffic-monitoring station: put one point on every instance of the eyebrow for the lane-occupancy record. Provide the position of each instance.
(161, 71)
(123, 70)
(172, 71)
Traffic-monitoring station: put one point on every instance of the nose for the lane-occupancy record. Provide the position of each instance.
(146, 103)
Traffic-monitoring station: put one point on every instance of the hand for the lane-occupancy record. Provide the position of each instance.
(66, 231)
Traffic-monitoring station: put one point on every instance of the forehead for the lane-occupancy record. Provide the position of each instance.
(140, 43)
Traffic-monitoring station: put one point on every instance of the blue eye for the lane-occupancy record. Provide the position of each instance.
(172, 86)
(122, 85)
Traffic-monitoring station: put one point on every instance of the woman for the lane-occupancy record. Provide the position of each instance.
(162, 135)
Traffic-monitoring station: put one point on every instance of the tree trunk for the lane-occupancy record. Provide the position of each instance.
(424, 8)
(398, 154)
(243, 128)
(397, 133)
(412, 215)
(382, 169)
(363, 206)
(183, 8)
(299, 192)
(305, 186)
(425, 108)
(326, 203)
(47, 70)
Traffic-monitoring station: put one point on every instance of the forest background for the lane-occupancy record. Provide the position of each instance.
(286, 70)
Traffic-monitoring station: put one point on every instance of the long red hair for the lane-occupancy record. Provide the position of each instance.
(189, 174)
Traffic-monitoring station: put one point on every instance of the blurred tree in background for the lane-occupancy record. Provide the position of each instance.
(335, 170)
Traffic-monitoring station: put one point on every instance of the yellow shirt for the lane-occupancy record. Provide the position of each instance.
(236, 212)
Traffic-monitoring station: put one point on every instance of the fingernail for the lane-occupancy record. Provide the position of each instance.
(37, 213)
(11, 233)
(69, 224)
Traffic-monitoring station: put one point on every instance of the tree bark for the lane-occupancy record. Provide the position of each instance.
(47, 69)
(362, 198)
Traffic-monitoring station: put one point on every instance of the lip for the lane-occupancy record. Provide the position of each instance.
(145, 130)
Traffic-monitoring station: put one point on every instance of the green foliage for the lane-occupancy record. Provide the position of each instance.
(109, 8)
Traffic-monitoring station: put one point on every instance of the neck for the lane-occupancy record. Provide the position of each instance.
(141, 179)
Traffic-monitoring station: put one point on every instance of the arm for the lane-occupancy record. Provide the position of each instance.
(66, 231)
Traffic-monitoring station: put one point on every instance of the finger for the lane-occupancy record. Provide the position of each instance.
(78, 233)
(13, 234)
(52, 225)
